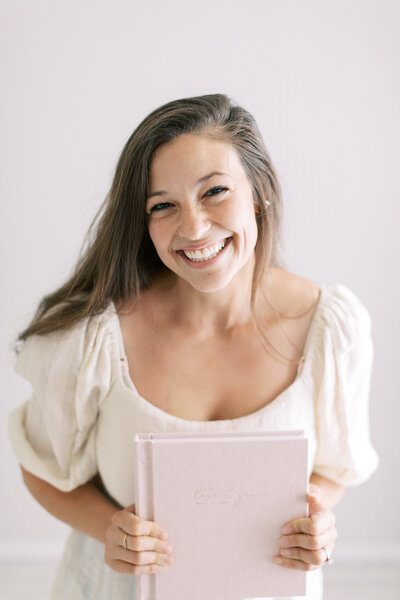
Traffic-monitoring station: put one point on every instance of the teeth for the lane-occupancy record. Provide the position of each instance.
(205, 253)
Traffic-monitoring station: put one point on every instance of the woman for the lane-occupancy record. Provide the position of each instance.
(180, 317)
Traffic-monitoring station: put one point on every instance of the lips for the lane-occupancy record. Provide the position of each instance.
(202, 257)
(201, 254)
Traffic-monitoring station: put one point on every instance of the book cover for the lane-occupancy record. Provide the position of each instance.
(223, 498)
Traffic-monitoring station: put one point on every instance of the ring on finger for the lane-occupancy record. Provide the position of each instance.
(124, 544)
(329, 558)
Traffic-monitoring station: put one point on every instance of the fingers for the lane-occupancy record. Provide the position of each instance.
(136, 546)
(314, 503)
(120, 566)
(289, 563)
(134, 525)
(303, 539)
(317, 523)
(308, 542)
(116, 537)
(140, 558)
(142, 543)
(315, 558)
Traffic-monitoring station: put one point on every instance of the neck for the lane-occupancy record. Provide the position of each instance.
(207, 313)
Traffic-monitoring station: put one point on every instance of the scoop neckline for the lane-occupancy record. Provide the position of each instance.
(129, 385)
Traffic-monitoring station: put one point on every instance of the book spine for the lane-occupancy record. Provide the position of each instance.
(144, 479)
(145, 505)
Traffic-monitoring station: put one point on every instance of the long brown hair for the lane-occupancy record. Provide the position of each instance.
(119, 260)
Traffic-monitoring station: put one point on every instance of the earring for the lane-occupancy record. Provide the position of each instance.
(268, 203)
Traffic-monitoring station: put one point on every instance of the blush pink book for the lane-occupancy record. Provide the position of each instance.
(223, 498)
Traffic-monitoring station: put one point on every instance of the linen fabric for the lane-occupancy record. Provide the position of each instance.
(84, 411)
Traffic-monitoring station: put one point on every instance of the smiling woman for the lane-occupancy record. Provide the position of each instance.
(205, 229)
(180, 316)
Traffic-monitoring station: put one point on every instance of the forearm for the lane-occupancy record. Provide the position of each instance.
(85, 508)
(331, 491)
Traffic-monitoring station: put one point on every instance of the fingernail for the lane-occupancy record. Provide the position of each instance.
(278, 560)
(285, 552)
(287, 529)
(167, 560)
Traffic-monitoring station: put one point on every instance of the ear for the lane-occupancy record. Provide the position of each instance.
(256, 208)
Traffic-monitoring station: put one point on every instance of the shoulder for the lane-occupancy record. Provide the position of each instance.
(289, 294)
(346, 318)
(82, 334)
(334, 314)
(292, 295)
(81, 351)
(344, 302)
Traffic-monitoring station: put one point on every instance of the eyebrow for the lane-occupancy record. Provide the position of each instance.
(201, 180)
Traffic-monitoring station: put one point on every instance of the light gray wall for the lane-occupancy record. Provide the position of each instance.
(321, 78)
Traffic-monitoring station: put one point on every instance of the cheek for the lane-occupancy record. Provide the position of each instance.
(234, 218)
(158, 236)
(245, 225)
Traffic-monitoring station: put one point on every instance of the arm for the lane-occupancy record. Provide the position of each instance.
(85, 508)
(132, 545)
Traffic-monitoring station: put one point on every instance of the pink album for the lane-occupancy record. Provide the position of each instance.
(223, 498)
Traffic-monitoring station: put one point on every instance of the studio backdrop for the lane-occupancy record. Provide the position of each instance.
(321, 79)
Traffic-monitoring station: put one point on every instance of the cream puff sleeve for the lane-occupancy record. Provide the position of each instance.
(344, 453)
(53, 433)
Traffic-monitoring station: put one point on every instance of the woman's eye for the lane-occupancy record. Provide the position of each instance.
(215, 190)
(162, 206)
(159, 207)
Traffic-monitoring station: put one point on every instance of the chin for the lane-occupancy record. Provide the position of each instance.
(210, 286)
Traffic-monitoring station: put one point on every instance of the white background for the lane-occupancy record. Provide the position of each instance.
(321, 79)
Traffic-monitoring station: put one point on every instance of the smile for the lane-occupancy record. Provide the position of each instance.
(205, 253)
(202, 258)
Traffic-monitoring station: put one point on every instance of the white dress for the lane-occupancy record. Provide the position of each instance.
(84, 412)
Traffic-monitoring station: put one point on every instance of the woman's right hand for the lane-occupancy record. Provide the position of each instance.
(147, 550)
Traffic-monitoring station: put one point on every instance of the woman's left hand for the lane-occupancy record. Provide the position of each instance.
(303, 539)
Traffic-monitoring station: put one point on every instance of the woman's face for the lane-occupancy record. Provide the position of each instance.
(201, 213)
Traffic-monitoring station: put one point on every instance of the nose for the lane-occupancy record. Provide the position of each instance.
(194, 223)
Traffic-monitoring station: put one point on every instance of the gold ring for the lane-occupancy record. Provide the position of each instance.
(125, 547)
